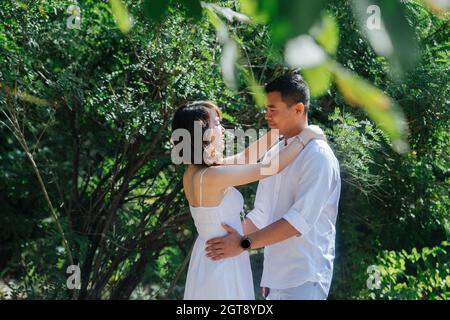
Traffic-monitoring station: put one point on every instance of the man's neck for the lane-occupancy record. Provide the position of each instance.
(295, 131)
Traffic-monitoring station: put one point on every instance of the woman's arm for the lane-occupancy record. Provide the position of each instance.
(255, 151)
(222, 177)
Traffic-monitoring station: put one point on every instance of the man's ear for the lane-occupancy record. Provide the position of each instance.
(300, 108)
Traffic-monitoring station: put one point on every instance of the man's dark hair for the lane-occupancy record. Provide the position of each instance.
(292, 87)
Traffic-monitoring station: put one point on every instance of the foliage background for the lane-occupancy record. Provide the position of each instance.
(101, 143)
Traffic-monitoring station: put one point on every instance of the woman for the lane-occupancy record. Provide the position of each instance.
(213, 200)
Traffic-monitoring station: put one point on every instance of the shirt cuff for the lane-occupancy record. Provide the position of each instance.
(257, 218)
(297, 221)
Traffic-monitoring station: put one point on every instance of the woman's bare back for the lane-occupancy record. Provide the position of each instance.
(192, 184)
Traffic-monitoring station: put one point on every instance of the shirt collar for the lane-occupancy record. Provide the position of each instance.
(288, 140)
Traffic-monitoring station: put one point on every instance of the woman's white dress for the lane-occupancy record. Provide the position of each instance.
(227, 279)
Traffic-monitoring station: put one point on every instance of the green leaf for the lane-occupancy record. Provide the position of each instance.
(392, 37)
(123, 18)
(155, 10)
(294, 17)
(258, 10)
(194, 8)
(379, 107)
(303, 52)
(288, 18)
(230, 51)
(23, 5)
(230, 54)
(318, 78)
(229, 14)
(438, 6)
(228, 117)
(327, 33)
(256, 89)
(214, 19)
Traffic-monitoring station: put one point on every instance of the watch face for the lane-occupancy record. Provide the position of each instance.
(245, 243)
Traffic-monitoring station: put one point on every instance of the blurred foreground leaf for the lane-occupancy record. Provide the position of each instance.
(380, 107)
(123, 18)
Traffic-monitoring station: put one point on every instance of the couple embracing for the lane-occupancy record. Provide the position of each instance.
(295, 209)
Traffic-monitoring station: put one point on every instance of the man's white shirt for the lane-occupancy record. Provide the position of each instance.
(306, 194)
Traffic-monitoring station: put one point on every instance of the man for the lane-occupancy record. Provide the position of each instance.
(295, 211)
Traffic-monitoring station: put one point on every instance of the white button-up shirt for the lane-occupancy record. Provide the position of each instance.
(306, 194)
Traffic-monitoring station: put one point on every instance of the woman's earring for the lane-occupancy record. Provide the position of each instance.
(208, 154)
(211, 156)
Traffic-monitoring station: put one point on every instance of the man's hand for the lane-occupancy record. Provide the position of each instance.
(224, 247)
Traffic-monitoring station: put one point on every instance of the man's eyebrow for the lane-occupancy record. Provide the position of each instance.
(271, 106)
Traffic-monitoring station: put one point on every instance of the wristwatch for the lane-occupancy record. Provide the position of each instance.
(246, 243)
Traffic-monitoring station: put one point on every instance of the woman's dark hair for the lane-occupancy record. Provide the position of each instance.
(185, 117)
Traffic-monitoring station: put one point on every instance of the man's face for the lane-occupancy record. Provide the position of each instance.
(279, 115)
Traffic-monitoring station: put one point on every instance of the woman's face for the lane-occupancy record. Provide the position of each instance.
(216, 131)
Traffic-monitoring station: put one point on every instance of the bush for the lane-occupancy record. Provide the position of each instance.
(423, 275)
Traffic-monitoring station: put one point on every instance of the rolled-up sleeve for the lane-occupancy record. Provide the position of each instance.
(259, 215)
(317, 178)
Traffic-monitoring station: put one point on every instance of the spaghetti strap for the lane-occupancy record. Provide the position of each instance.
(201, 185)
